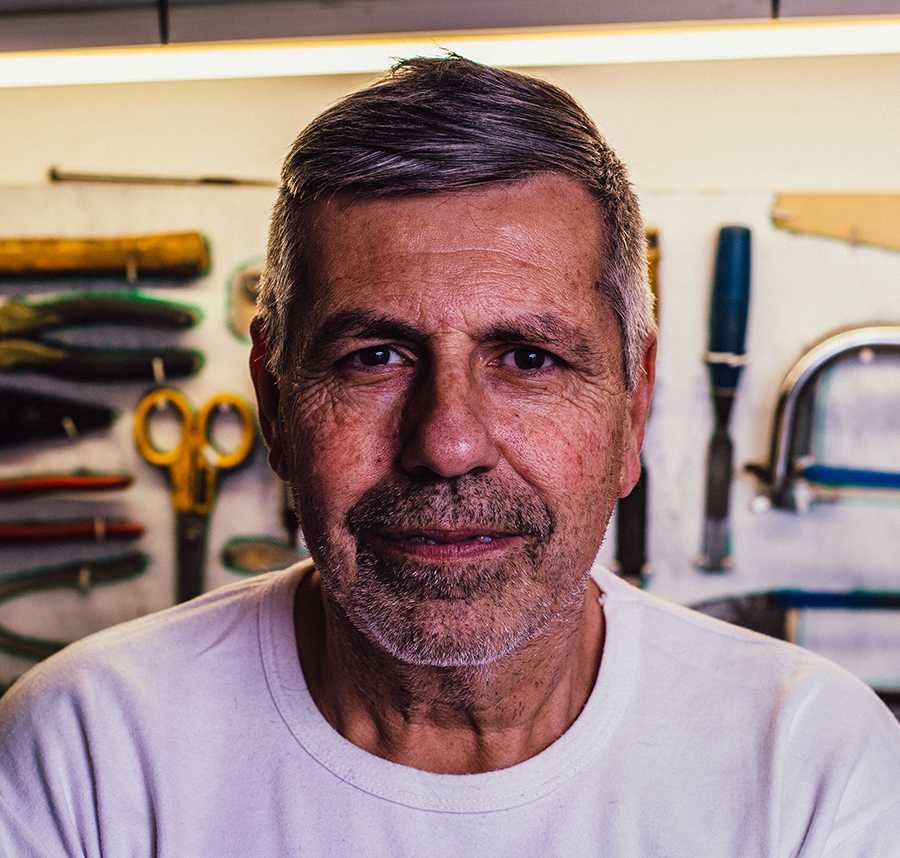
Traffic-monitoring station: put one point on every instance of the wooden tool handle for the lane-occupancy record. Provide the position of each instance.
(169, 255)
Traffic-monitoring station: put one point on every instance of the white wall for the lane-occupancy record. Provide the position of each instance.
(707, 142)
(743, 125)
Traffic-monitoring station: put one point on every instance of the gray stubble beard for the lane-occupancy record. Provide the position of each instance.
(490, 607)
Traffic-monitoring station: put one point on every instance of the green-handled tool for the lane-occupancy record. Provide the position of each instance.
(79, 574)
(23, 346)
(726, 358)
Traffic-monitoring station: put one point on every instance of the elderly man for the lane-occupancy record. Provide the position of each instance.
(453, 360)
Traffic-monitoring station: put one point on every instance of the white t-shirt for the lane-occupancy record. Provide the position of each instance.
(191, 734)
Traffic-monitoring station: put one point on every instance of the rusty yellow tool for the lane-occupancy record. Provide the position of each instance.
(169, 255)
(193, 466)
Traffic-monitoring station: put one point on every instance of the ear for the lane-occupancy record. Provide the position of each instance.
(637, 410)
(267, 399)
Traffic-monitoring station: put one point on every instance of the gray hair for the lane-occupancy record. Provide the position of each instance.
(449, 124)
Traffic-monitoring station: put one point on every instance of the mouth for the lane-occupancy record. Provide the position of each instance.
(443, 544)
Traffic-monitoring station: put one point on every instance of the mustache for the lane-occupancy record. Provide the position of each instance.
(473, 501)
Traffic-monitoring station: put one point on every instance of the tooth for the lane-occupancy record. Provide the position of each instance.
(485, 539)
(431, 542)
(419, 540)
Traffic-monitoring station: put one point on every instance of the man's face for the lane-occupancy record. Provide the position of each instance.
(454, 421)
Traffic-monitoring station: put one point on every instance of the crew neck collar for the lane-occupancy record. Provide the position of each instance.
(522, 783)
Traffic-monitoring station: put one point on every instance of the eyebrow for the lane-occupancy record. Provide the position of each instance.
(545, 329)
(361, 325)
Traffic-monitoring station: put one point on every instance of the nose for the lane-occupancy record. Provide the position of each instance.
(446, 430)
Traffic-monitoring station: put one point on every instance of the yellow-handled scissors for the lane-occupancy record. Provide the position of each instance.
(193, 466)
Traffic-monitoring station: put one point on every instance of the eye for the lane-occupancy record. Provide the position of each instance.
(374, 356)
(527, 358)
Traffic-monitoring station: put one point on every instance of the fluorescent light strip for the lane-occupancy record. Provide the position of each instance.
(644, 44)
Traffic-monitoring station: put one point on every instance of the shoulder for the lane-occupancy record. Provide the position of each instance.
(162, 648)
(787, 691)
(822, 742)
(697, 646)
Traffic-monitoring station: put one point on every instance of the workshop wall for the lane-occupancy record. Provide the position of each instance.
(708, 143)
(815, 123)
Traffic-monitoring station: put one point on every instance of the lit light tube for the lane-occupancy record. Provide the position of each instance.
(523, 49)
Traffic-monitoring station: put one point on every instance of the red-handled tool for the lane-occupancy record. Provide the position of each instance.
(28, 485)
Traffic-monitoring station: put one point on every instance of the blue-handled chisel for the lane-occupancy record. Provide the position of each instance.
(725, 358)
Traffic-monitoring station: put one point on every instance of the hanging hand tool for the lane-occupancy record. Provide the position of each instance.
(243, 289)
(872, 219)
(27, 485)
(20, 317)
(775, 612)
(851, 478)
(631, 512)
(57, 174)
(727, 332)
(27, 416)
(78, 530)
(253, 555)
(81, 575)
(22, 347)
(193, 466)
(792, 478)
(168, 255)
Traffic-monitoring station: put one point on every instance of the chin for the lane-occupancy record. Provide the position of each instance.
(467, 615)
(447, 634)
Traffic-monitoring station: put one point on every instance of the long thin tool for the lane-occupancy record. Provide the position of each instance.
(96, 529)
(23, 346)
(31, 485)
(27, 416)
(774, 612)
(726, 358)
(80, 574)
(58, 174)
(168, 255)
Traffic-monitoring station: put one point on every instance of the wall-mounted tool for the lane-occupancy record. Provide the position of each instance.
(27, 416)
(289, 517)
(855, 218)
(792, 479)
(164, 256)
(243, 288)
(59, 174)
(193, 466)
(29, 485)
(726, 358)
(631, 511)
(774, 612)
(253, 555)
(22, 346)
(44, 532)
(80, 574)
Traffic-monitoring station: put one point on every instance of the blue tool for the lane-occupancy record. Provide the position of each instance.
(726, 358)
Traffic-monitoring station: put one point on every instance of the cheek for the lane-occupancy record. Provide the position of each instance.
(336, 449)
(571, 457)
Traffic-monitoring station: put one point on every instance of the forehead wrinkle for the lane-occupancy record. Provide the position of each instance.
(483, 262)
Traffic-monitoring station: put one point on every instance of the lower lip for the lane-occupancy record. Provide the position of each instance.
(467, 549)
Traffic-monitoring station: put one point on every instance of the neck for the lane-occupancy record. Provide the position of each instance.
(458, 720)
